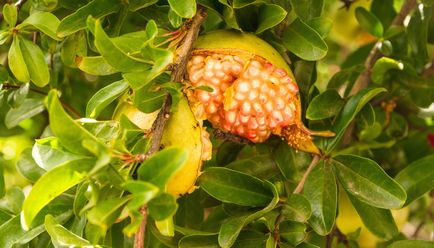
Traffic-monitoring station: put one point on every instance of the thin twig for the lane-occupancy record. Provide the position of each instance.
(178, 74)
(364, 78)
(219, 134)
(312, 165)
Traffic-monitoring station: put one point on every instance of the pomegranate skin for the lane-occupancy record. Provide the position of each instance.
(241, 85)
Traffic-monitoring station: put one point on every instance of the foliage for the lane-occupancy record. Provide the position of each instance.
(68, 175)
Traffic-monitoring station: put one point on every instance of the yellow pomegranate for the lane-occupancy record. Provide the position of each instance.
(182, 130)
(349, 221)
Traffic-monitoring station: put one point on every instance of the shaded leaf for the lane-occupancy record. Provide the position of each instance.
(411, 244)
(232, 227)
(162, 207)
(321, 191)
(16, 61)
(381, 66)
(324, 105)
(29, 108)
(269, 16)
(35, 62)
(369, 22)
(304, 41)
(417, 178)
(105, 212)
(234, 187)
(297, 208)
(307, 9)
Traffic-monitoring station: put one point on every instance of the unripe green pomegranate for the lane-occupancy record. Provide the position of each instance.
(253, 91)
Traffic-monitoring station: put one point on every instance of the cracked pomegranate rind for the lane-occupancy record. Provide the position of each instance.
(183, 130)
(253, 91)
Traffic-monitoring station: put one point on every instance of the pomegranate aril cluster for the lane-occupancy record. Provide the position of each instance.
(249, 98)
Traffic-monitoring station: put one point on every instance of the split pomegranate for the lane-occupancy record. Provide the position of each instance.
(241, 85)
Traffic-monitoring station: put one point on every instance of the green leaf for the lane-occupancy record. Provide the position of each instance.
(159, 168)
(77, 20)
(183, 8)
(351, 109)
(411, 244)
(16, 61)
(199, 241)
(269, 16)
(234, 187)
(17, 97)
(379, 221)
(12, 234)
(45, 22)
(307, 9)
(95, 65)
(366, 180)
(35, 62)
(70, 133)
(324, 105)
(29, 108)
(232, 227)
(142, 193)
(10, 14)
(12, 201)
(135, 5)
(74, 47)
(112, 53)
(260, 166)
(103, 97)
(321, 191)
(381, 66)
(297, 208)
(304, 41)
(288, 161)
(48, 153)
(162, 207)
(45, 5)
(323, 25)
(28, 167)
(417, 178)
(293, 232)
(52, 184)
(60, 236)
(105, 213)
(369, 22)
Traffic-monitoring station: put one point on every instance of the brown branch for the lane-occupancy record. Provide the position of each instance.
(219, 134)
(342, 238)
(178, 74)
(364, 78)
(312, 165)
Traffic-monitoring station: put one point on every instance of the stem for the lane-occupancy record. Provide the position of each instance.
(178, 73)
(312, 165)
(364, 78)
(140, 235)
(219, 134)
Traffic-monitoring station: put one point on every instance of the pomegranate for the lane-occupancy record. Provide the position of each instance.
(241, 85)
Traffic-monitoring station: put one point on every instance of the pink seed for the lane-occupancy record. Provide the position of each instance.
(269, 106)
(253, 95)
(256, 83)
(242, 86)
(253, 124)
(277, 115)
(243, 119)
(204, 96)
(246, 108)
(231, 116)
(279, 103)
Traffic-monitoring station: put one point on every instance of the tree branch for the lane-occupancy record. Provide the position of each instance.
(312, 165)
(178, 74)
(364, 78)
